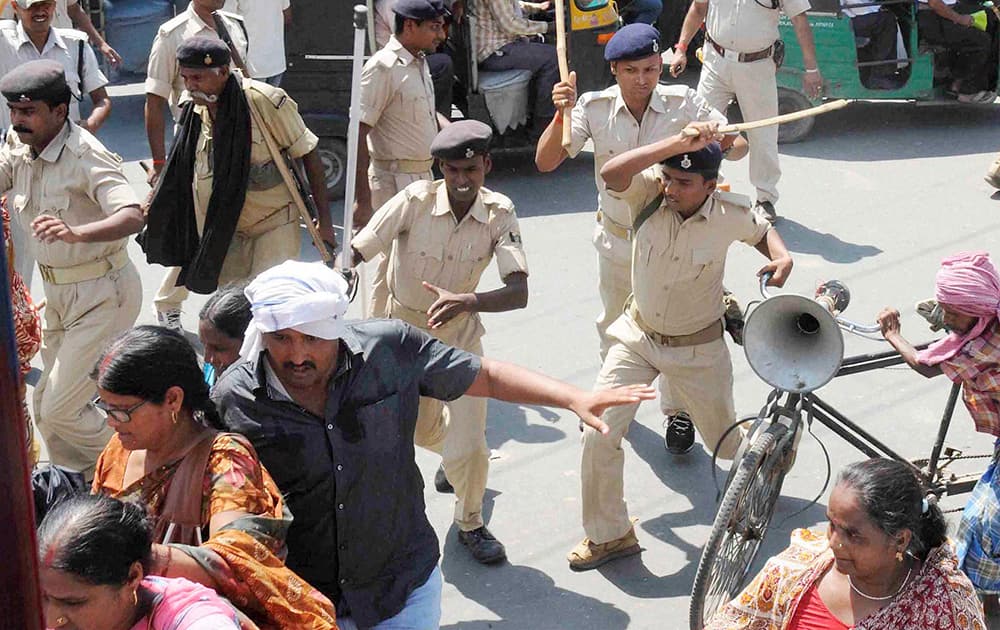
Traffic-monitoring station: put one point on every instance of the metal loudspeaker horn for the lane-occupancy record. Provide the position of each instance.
(794, 343)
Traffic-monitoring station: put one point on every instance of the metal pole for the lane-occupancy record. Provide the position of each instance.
(360, 24)
(20, 599)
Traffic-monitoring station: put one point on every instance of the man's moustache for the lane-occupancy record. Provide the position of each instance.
(21, 129)
(208, 98)
(288, 365)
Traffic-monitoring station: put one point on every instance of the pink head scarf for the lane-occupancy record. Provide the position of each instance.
(970, 283)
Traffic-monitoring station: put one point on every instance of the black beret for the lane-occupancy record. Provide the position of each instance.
(420, 9)
(35, 81)
(705, 161)
(203, 52)
(634, 41)
(461, 140)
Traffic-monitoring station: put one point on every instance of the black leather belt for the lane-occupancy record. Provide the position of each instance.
(741, 57)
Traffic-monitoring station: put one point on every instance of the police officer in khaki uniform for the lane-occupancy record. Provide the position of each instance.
(439, 237)
(165, 87)
(635, 111)
(672, 325)
(267, 227)
(398, 119)
(741, 40)
(69, 192)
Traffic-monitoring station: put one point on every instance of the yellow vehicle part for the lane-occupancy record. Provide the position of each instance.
(590, 14)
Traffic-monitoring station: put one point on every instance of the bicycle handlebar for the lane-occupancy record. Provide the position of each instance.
(846, 324)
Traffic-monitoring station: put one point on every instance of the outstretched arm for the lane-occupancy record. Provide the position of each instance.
(513, 383)
(888, 320)
(773, 247)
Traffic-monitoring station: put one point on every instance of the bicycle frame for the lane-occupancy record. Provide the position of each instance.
(792, 406)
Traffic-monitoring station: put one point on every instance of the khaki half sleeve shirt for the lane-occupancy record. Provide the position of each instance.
(397, 102)
(163, 77)
(266, 190)
(604, 118)
(678, 264)
(75, 179)
(747, 25)
(428, 245)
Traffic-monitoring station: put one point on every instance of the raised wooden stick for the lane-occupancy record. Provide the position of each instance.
(777, 120)
(567, 129)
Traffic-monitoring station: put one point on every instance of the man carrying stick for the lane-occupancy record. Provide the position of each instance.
(239, 217)
(636, 111)
(672, 324)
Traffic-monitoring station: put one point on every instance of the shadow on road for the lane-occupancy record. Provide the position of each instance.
(877, 131)
(686, 475)
(522, 596)
(805, 240)
(507, 422)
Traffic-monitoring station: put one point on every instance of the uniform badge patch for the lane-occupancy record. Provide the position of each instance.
(469, 152)
(686, 162)
(656, 46)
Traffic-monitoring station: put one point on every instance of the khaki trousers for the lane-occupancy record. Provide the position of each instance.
(246, 258)
(754, 85)
(456, 430)
(614, 284)
(384, 185)
(699, 378)
(80, 320)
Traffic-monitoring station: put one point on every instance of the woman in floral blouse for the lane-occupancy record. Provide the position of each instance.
(884, 564)
(215, 508)
(27, 327)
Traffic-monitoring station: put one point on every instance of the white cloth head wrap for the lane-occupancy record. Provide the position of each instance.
(308, 297)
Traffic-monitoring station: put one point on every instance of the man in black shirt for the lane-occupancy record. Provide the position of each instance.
(331, 409)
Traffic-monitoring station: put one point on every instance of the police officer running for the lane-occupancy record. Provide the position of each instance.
(439, 237)
(70, 193)
(635, 111)
(672, 324)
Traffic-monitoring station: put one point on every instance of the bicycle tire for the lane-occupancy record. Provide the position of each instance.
(751, 494)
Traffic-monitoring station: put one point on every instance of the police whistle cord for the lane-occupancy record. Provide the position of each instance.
(691, 132)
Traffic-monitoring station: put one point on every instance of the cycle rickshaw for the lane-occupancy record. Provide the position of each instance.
(795, 345)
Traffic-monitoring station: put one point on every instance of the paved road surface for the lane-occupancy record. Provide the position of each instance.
(875, 197)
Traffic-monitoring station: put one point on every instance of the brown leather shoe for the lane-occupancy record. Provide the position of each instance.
(590, 555)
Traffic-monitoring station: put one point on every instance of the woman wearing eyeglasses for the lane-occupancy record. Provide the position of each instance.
(206, 491)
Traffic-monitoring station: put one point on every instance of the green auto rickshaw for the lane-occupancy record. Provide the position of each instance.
(920, 70)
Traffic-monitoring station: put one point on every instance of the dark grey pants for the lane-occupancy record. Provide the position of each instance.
(541, 60)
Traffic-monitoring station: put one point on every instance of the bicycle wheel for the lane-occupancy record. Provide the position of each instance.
(740, 526)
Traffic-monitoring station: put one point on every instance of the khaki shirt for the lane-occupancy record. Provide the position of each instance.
(397, 102)
(604, 118)
(747, 25)
(62, 45)
(163, 77)
(678, 264)
(418, 227)
(266, 191)
(75, 179)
